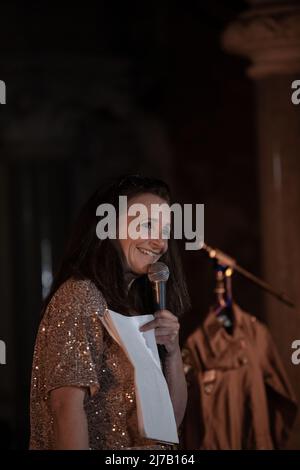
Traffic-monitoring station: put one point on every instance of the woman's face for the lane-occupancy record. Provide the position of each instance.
(152, 231)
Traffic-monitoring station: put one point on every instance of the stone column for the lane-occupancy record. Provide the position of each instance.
(269, 35)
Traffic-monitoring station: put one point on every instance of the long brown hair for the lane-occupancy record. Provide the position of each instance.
(88, 257)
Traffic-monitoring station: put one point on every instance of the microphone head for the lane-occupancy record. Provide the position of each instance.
(158, 272)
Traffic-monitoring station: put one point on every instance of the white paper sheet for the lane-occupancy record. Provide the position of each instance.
(154, 407)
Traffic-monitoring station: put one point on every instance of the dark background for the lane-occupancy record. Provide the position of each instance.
(97, 91)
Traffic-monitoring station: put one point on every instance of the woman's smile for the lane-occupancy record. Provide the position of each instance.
(150, 253)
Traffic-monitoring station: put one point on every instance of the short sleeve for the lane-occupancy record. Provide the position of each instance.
(74, 337)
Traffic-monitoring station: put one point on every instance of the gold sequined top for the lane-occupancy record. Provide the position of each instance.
(74, 349)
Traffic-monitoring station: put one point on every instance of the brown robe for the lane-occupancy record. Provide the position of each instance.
(239, 394)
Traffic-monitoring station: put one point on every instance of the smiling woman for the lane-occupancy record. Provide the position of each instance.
(144, 250)
(83, 384)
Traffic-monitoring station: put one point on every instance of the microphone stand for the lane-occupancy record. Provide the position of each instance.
(231, 263)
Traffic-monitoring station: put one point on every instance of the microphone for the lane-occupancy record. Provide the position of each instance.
(158, 274)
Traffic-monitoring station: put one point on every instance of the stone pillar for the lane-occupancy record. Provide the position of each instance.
(269, 35)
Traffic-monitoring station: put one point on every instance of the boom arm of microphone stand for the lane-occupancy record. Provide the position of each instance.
(226, 260)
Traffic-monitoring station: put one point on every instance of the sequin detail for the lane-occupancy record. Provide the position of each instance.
(74, 349)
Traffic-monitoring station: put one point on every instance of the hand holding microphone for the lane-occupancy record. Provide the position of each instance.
(166, 324)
